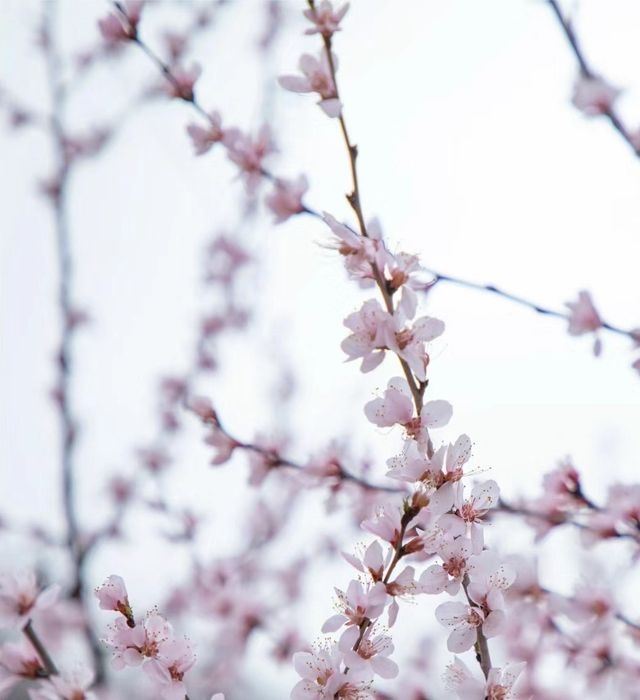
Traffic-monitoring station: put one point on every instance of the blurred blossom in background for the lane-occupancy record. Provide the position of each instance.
(471, 155)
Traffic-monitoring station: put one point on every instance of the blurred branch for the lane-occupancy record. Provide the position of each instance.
(587, 71)
(67, 314)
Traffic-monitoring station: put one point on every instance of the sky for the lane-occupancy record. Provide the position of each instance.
(470, 155)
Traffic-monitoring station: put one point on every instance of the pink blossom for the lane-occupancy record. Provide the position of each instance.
(372, 655)
(167, 669)
(401, 270)
(372, 562)
(316, 78)
(498, 686)
(484, 496)
(584, 318)
(489, 576)
(396, 407)
(325, 19)
(116, 29)
(323, 678)
(133, 645)
(17, 662)
(448, 575)
(112, 595)
(204, 138)
(368, 337)
(248, 154)
(70, 685)
(224, 445)
(385, 524)
(356, 605)
(465, 621)
(362, 253)
(408, 342)
(594, 96)
(286, 198)
(184, 79)
(21, 598)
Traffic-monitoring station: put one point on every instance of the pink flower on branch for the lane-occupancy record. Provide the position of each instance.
(500, 684)
(285, 200)
(372, 654)
(204, 137)
(594, 96)
(18, 662)
(167, 669)
(323, 677)
(112, 595)
(70, 685)
(316, 78)
(368, 339)
(396, 407)
(324, 18)
(249, 153)
(21, 598)
(357, 605)
(465, 620)
(584, 318)
(182, 81)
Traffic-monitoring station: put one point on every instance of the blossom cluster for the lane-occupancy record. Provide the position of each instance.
(150, 643)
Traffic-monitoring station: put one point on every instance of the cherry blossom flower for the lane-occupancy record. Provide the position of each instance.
(385, 524)
(489, 576)
(112, 595)
(362, 254)
(448, 575)
(408, 341)
(396, 407)
(464, 619)
(404, 586)
(286, 198)
(372, 655)
(372, 562)
(594, 96)
(323, 679)
(316, 78)
(498, 686)
(357, 605)
(368, 337)
(224, 445)
(168, 667)
(133, 645)
(184, 79)
(116, 29)
(21, 598)
(249, 153)
(401, 270)
(204, 138)
(17, 662)
(484, 496)
(325, 19)
(584, 318)
(70, 685)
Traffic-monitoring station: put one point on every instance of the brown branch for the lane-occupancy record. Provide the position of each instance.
(49, 666)
(482, 646)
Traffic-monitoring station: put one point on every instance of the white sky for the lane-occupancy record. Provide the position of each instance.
(471, 156)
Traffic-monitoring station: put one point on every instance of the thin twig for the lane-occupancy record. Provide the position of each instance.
(491, 289)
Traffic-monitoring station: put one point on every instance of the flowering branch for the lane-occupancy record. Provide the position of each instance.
(605, 102)
(545, 311)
